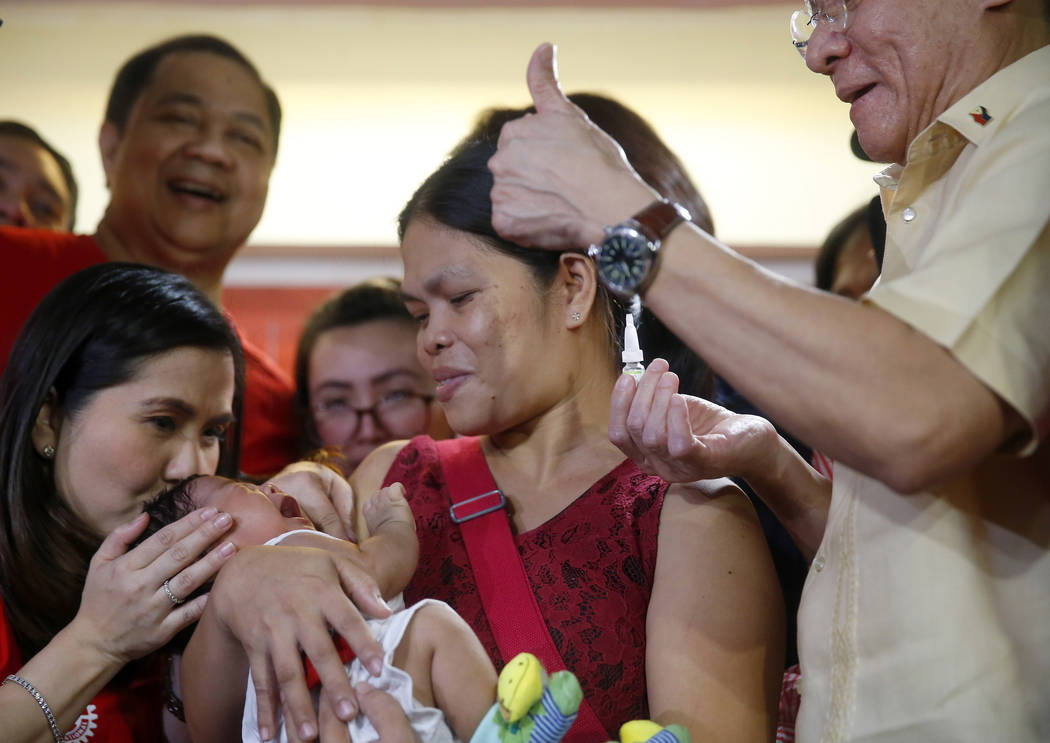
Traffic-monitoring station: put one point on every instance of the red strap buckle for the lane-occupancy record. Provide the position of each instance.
(456, 511)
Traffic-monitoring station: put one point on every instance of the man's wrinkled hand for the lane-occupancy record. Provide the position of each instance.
(547, 165)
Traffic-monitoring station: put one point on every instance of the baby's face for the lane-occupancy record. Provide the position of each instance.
(260, 512)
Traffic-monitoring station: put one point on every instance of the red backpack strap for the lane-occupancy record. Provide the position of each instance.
(510, 605)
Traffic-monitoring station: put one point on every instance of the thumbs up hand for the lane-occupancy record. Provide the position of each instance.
(542, 79)
(558, 178)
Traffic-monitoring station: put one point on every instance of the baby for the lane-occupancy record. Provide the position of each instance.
(434, 664)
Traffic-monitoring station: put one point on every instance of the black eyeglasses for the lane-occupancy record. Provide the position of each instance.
(393, 411)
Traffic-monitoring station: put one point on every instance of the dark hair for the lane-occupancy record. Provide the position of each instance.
(458, 195)
(9, 128)
(869, 217)
(373, 299)
(91, 332)
(137, 73)
(167, 507)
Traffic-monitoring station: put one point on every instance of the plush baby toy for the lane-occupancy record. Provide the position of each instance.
(530, 706)
(647, 731)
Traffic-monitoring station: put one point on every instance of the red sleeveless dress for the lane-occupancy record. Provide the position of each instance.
(591, 568)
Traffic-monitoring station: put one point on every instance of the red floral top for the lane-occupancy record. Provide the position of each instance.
(591, 568)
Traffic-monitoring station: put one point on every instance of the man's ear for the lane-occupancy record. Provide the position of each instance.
(579, 282)
(108, 144)
(47, 425)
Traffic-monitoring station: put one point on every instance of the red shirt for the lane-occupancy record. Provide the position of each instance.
(129, 712)
(269, 437)
(36, 260)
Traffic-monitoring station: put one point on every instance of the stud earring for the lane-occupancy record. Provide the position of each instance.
(576, 316)
(48, 452)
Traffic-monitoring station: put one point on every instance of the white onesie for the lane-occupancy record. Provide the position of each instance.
(427, 722)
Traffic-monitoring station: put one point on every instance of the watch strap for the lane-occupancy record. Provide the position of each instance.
(659, 218)
(655, 222)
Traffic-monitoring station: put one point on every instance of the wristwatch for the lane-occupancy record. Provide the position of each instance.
(628, 256)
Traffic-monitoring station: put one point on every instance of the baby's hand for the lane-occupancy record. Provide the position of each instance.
(387, 508)
(391, 550)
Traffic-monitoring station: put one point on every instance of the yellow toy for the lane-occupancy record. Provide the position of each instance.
(520, 686)
(647, 731)
(530, 706)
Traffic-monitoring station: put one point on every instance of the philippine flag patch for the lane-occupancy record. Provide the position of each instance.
(981, 115)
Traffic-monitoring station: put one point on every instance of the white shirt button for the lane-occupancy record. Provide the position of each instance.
(907, 214)
(818, 564)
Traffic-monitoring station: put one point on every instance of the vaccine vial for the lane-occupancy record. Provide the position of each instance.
(632, 352)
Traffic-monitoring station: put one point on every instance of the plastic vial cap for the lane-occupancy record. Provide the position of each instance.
(631, 350)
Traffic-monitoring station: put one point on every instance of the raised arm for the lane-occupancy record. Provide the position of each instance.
(848, 379)
(845, 377)
(715, 627)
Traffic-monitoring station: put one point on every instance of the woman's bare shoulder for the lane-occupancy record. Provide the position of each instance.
(709, 506)
(717, 493)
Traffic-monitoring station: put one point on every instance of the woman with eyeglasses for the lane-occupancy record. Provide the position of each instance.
(662, 599)
(358, 381)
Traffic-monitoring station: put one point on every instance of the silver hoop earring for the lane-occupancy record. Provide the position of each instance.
(576, 316)
(48, 452)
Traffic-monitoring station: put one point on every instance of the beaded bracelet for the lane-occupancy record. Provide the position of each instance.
(39, 700)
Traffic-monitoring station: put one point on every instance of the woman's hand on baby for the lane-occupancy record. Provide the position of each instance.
(325, 497)
(682, 438)
(308, 592)
(125, 611)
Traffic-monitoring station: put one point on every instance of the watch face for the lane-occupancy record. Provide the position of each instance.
(624, 260)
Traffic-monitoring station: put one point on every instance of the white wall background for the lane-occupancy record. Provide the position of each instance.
(374, 97)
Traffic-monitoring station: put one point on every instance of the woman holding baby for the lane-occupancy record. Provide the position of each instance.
(661, 598)
(124, 381)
